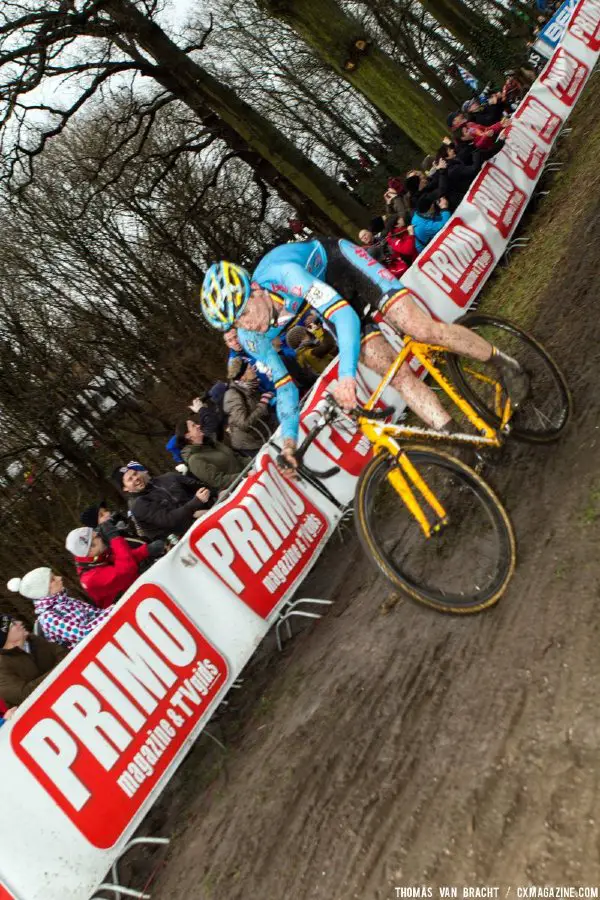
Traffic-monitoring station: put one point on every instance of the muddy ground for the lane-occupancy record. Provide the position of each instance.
(385, 750)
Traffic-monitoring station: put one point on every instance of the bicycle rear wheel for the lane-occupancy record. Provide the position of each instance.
(543, 416)
(465, 567)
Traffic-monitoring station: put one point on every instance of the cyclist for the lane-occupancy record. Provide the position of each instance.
(342, 283)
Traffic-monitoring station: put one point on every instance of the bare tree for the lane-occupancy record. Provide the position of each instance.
(86, 46)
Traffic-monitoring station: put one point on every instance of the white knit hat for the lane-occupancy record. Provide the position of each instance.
(78, 541)
(34, 585)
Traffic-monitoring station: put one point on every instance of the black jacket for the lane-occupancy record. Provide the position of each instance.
(488, 114)
(167, 505)
(456, 179)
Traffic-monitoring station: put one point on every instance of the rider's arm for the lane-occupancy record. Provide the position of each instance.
(288, 401)
(347, 330)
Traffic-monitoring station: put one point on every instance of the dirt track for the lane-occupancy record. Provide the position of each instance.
(409, 748)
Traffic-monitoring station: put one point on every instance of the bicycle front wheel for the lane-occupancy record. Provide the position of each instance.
(544, 414)
(465, 567)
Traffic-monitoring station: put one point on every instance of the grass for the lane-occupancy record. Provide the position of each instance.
(515, 292)
(591, 510)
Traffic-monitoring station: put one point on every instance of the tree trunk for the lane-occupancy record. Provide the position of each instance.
(477, 34)
(376, 75)
(318, 198)
(431, 75)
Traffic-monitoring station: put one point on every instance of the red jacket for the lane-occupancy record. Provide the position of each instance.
(106, 577)
(401, 243)
(480, 136)
(404, 250)
(3, 707)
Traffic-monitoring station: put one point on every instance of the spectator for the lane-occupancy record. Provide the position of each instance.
(6, 713)
(455, 175)
(248, 411)
(213, 463)
(402, 247)
(164, 505)
(427, 220)
(99, 513)
(416, 183)
(312, 355)
(376, 248)
(62, 619)
(236, 350)
(396, 201)
(25, 660)
(105, 563)
(485, 114)
(298, 228)
(513, 90)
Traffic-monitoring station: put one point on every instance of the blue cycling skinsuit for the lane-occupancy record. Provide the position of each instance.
(341, 282)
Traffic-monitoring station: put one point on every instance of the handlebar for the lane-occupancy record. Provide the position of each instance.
(331, 412)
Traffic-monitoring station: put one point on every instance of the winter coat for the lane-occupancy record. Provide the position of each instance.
(247, 416)
(480, 135)
(397, 206)
(167, 505)
(66, 620)
(402, 243)
(457, 178)
(488, 115)
(21, 671)
(106, 577)
(426, 227)
(216, 465)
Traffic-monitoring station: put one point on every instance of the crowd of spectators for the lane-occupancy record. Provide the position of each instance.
(416, 206)
(214, 441)
(219, 432)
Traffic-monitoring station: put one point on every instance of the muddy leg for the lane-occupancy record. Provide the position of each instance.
(377, 354)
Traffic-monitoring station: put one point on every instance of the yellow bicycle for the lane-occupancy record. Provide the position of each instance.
(432, 524)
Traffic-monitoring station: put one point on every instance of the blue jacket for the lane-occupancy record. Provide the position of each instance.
(296, 276)
(427, 227)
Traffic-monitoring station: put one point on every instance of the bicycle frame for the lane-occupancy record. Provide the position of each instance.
(405, 479)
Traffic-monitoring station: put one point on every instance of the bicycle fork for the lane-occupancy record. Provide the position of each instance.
(408, 483)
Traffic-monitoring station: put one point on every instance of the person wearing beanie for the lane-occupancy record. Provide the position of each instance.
(99, 513)
(64, 620)
(427, 221)
(248, 412)
(107, 566)
(25, 660)
(164, 504)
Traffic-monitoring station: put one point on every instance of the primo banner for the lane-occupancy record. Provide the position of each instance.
(91, 749)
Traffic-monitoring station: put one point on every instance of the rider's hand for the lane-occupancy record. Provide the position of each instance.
(203, 495)
(345, 393)
(196, 405)
(289, 470)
